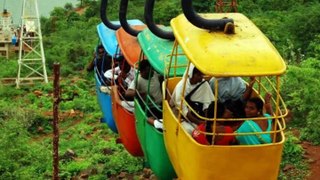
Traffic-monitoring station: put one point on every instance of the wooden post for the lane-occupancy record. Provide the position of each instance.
(56, 101)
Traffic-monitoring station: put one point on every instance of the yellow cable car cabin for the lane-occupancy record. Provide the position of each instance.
(244, 54)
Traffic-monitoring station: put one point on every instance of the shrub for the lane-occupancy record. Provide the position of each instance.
(302, 101)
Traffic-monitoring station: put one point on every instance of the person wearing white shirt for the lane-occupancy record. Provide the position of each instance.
(127, 73)
(202, 94)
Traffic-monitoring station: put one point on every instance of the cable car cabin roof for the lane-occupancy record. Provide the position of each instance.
(158, 51)
(129, 45)
(108, 36)
(248, 52)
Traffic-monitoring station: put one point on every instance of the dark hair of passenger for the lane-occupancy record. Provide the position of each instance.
(210, 114)
(106, 54)
(126, 66)
(144, 64)
(258, 102)
(220, 110)
(196, 71)
(100, 46)
(120, 58)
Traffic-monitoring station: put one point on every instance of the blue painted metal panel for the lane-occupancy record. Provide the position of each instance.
(108, 36)
(104, 101)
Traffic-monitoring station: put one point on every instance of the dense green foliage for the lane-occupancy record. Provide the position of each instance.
(69, 38)
(302, 101)
(19, 159)
(292, 155)
(26, 142)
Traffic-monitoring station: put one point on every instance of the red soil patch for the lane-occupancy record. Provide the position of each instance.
(77, 115)
(80, 10)
(312, 153)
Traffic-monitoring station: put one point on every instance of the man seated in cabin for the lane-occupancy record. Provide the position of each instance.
(102, 61)
(123, 74)
(197, 94)
(98, 56)
(233, 92)
(148, 81)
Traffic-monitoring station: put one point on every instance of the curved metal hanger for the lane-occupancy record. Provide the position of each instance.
(123, 19)
(103, 16)
(148, 16)
(200, 22)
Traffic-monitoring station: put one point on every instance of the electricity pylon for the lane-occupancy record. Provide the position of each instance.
(32, 64)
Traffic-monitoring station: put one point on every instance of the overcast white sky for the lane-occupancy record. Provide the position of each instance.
(44, 7)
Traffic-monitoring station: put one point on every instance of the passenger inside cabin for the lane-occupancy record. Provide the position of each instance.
(221, 127)
(149, 89)
(197, 94)
(102, 61)
(128, 105)
(123, 74)
(233, 92)
(157, 123)
(254, 108)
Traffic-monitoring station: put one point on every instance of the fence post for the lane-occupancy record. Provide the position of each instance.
(56, 101)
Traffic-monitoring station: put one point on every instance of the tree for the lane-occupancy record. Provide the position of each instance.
(68, 6)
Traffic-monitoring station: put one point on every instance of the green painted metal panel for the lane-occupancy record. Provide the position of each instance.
(152, 143)
(158, 51)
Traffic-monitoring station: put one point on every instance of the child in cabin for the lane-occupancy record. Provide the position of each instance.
(221, 127)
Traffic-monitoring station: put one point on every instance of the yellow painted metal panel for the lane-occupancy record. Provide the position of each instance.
(195, 161)
(248, 52)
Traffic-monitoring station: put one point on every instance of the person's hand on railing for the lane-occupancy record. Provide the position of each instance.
(252, 81)
(267, 103)
(247, 94)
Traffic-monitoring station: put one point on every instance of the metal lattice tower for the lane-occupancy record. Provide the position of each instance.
(31, 61)
(222, 6)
